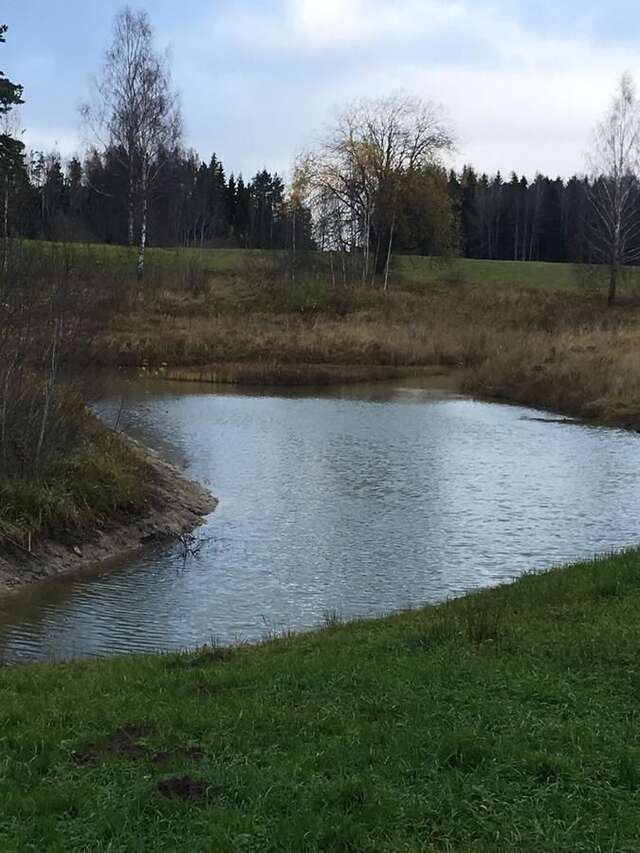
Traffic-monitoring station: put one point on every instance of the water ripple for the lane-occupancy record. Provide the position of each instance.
(354, 504)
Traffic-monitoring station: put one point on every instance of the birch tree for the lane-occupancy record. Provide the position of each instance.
(135, 113)
(615, 191)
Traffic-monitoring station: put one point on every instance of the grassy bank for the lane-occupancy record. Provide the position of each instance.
(590, 373)
(503, 721)
(277, 373)
(63, 475)
(535, 333)
(102, 498)
(96, 480)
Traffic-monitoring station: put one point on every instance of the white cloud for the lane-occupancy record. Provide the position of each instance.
(304, 26)
(259, 77)
(343, 23)
(517, 99)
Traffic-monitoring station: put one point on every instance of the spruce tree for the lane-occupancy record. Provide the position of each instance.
(218, 200)
(242, 213)
(11, 149)
(10, 93)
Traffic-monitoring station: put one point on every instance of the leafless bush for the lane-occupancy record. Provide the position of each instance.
(307, 285)
(51, 297)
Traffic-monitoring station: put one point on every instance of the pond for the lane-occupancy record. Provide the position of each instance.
(351, 502)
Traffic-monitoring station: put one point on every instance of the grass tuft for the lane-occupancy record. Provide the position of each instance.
(628, 770)
(482, 618)
(463, 751)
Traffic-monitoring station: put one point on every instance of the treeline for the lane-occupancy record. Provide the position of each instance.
(373, 186)
(518, 220)
(194, 203)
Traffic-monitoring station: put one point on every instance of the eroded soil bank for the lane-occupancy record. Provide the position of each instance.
(178, 507)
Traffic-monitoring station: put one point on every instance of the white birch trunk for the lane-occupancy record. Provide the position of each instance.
(131, 209)
(143, 224)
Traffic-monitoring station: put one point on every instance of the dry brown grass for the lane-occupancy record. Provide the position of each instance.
(357, 340)
(444, 325)
(274, 372)
(593, 374)
(559, 349)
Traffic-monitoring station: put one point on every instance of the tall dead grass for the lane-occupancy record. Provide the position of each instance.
(559, 349)
(593, 374)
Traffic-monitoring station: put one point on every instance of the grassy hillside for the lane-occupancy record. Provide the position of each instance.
(535, 275)
(504, 721)
(410, 269)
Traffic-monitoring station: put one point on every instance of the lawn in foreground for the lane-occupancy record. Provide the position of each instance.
(507, 720)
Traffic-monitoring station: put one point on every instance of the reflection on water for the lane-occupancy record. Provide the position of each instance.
(357, 502)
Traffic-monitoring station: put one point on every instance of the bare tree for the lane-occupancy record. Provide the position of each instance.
(360, 169)
(615, 190)
(135, 113)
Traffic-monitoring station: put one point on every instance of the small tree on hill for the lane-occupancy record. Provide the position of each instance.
(615, 187)
(361, 174)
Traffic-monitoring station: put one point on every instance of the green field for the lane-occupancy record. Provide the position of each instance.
(504, 721)
(535, 275)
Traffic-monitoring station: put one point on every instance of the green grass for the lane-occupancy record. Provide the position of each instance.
(417, 269)
(98, 480)
(505, 721)
(534, 275)
(531, 275)
(406, 269)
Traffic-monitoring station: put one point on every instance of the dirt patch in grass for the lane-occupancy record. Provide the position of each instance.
(129, 742)
(125, 741)
(183, 788)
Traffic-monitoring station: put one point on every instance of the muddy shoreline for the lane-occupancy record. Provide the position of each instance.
(178, 507)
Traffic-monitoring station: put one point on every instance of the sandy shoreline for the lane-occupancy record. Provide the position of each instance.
(179, 506)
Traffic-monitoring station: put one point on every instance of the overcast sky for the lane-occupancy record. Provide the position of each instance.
(521, 86)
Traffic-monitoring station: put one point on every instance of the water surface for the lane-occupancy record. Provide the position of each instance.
(355, 502)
